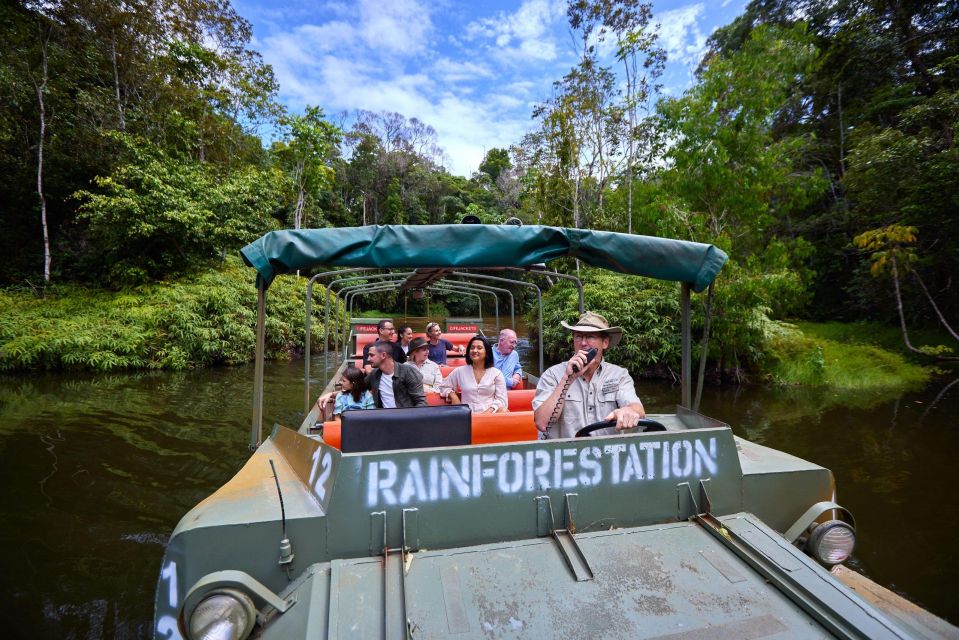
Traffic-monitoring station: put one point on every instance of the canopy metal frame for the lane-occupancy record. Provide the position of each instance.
(257, 420)
(349, 293)
(367, 277)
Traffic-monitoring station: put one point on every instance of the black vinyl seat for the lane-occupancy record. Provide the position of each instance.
(411, 428)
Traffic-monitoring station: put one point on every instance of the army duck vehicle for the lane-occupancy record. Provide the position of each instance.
(435, 523)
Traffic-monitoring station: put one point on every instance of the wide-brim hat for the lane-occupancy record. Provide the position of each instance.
(416, 343)
(591, 322)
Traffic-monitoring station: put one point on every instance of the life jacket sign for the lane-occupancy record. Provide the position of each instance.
(364, 328)
(460, 327)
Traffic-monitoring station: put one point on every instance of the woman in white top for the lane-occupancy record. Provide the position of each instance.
(482, 385)
(419, 356)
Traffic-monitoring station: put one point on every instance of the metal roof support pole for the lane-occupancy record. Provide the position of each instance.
(309, 317)
(539, 301)
(563, 276)
(579, 286)
(388, 286)
(480, 287)
(512, 300)
(479, 300)
(687, 363)
(346, 332)
(257, 429)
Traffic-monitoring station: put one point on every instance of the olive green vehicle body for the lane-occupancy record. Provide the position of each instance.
(590, 537)
(685, 533)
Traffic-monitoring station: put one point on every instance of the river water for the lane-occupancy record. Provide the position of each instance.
(97, 471)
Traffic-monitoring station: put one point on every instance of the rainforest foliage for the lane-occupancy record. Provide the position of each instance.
(817, 146)
(205, 320)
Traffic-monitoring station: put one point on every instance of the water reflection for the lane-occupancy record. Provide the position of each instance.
(98, 470)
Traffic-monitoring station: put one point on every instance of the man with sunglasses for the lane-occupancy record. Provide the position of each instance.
(582, 391)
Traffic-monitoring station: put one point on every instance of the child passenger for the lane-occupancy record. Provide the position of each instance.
(354, 395)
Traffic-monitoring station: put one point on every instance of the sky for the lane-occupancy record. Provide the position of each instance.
(473, 70)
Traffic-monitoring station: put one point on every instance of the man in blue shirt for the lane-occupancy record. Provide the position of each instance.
(506, 359)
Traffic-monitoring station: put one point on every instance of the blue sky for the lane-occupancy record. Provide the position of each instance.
(472, 70)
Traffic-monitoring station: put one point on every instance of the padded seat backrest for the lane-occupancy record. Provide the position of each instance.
(409, 428)
(520, 399)
(514, 426)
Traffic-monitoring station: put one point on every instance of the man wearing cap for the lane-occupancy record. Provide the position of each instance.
(573, 394)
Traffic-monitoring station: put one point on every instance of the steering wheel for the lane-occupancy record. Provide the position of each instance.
(647, 424)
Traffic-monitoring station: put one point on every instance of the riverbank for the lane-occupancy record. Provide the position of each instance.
(209, 320)
(205, 320)
(862, 356)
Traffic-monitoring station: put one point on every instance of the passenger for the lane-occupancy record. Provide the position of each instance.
(506, 359)
(393, 384)
(386, 331)
(439, 346)
(354, 395)
(482, 385)
(432, 376)
(567, 399)
(404, 337)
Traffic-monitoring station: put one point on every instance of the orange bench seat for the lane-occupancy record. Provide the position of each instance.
(488, 428)
(518, 400)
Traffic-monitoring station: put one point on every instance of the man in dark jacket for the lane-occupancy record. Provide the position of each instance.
(393, 384)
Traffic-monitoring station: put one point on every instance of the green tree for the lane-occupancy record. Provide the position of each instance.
(306, 153)
(394, 212)
(726, 167)
(157, 216)
(495, 162)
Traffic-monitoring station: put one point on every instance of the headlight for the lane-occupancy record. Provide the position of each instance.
(831, 542)
(225, 614)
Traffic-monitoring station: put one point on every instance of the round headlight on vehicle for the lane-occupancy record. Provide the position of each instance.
(225, 614)
(831, 542)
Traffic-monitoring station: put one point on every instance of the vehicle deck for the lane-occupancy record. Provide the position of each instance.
(672, 581)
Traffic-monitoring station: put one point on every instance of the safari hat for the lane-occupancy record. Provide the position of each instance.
(591, 322)
(417, 343)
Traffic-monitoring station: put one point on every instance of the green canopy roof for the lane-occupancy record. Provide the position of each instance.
(469, 246)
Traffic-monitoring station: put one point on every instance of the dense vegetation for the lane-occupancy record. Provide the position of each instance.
(201, 321)
(817, 146)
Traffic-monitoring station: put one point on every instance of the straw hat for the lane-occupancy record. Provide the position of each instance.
(417, 343)
(591, 322)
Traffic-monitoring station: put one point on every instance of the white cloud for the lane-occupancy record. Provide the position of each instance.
(399, 26)
(387, 57)
(525, 35)
(453, 71)
(680, 34)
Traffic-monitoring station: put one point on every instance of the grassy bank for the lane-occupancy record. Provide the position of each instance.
(843, 356)
(204, 320)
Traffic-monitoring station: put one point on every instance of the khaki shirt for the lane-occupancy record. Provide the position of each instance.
(611, 388)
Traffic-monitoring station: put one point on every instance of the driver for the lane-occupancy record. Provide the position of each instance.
(568, 399)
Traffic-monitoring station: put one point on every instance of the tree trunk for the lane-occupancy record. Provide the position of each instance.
(116, 81)
(708, 310)
(41, 90)
(902, 317)
(629, 152)
(842, 134)
(942, 319)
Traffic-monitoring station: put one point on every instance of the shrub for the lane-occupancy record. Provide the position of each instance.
(208, 319)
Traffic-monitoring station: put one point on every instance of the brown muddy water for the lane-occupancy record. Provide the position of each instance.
(97, 470)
